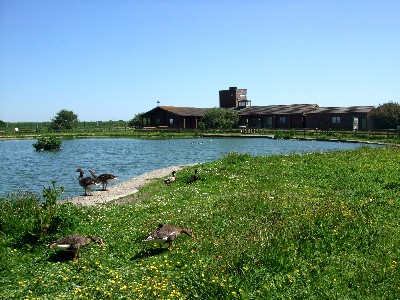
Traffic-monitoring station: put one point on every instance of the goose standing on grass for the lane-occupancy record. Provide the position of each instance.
(87, 182)
(74, 242)
(193, 178)
(167, 234)
(171, 179)
(105, 179)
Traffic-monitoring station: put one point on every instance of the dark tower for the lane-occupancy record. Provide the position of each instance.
(232, 98)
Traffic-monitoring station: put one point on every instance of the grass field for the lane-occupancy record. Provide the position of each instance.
(311, 226)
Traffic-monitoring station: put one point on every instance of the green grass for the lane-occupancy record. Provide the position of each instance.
(311, 226)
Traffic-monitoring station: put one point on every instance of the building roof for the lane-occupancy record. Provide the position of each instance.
(268, 110)
(181, 111)
(276, 109)
(341, 110)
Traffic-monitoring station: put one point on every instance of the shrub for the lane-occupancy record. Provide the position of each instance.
(385, 116)
(138, 121)
(284, 135)
(47, 143)
(219, 118)
(26, 217)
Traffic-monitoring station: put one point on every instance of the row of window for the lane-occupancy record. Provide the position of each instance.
(283, 119)
(268, 120)
(171, 122)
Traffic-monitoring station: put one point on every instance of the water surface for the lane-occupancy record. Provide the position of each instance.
(24, 168)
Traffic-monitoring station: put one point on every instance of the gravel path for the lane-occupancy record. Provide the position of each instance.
(122, 189)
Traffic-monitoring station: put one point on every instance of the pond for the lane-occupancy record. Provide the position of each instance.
(23, 168)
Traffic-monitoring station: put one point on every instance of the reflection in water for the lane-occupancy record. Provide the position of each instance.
(24, 168)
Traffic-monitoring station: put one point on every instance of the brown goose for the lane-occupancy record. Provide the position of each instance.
(87, 182)
(105, 179)
(167, 234)
(193, 178)
(74, 242)
(171, 179)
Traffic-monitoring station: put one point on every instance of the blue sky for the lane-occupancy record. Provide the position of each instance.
(109, 60)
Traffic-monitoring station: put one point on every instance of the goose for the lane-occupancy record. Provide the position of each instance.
(105, 179)
(87, 182)
(193, 178)
(74, 242)
(170, 179)
(167, 234)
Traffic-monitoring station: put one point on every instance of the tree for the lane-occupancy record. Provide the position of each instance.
(385, 116)
(136, 121)
(219, 118)
(65, 119)
(2, 124)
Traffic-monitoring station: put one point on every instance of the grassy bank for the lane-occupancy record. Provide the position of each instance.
(311, 226)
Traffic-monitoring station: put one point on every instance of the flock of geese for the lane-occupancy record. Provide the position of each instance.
(190, 179)
(88, 183)
(164, 234)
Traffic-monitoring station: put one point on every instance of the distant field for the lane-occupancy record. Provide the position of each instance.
(42, 127)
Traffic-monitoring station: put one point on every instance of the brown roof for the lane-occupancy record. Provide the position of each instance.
(181, 111)
(341, 110)
(268, 110)
(276, 109)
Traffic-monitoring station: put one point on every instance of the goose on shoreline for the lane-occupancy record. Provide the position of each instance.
(105, 179)
(171, 179)
(194, 177)
(87, 182)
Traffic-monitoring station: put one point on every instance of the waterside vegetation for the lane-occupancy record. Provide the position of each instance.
(310, 226)
(119, 129)
(47, 143)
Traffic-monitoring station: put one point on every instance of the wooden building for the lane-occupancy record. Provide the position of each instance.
(339, 118)
(275, 116)
(294, 116)
(174, 117)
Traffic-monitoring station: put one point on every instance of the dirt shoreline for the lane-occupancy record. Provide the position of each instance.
(122, 189)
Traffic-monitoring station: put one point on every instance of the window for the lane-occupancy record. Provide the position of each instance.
(282, 120)
(171, 121)
(336, 120)
(268, 122)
